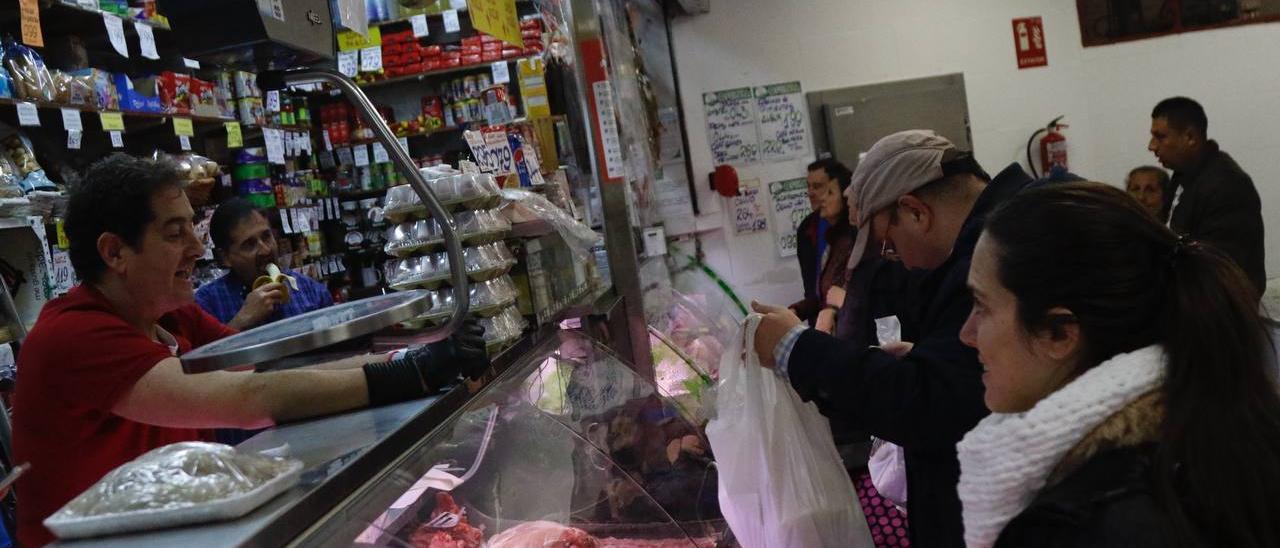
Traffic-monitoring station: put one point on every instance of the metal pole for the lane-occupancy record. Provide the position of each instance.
(400, 157)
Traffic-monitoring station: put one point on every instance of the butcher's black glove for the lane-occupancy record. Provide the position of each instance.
(429, 368)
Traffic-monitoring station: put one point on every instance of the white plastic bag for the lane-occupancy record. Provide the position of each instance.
(888, 462)
(781, 481)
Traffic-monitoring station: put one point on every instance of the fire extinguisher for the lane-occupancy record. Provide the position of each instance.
(1053, 147)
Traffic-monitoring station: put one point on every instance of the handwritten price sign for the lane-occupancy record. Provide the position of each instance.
(492, 151)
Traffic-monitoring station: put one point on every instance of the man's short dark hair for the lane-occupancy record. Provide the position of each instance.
(225, 219)
(113, 196)
(835, 171)
(1182, 113)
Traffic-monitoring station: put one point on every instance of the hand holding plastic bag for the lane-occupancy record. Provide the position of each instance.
(781, 481)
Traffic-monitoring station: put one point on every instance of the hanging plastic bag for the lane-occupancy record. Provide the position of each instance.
(781, 481)
(888, 462)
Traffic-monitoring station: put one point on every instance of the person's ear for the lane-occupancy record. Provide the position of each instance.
(1060, 340)
(915, 210)
(112, 250)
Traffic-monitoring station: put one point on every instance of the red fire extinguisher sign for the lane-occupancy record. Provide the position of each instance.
(1028, 42)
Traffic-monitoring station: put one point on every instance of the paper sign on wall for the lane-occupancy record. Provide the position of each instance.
(117, 139)
(492, 151)
(790, 206)
(748, 214)
(1028, 42)
(784, 130)
(115, 32)
(146, 39)
(732, 127)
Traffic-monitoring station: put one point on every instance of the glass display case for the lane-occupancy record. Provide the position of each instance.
(567, 446)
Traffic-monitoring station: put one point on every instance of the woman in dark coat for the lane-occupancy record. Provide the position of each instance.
(1125, 370)
(835, 258)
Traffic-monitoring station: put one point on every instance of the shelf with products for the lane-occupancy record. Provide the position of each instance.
(418, 77)
(9, 103)
(434, 13)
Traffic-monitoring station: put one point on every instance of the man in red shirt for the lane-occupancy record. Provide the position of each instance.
(99, 381)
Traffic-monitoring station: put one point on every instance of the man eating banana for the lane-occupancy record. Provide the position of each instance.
(256, 291)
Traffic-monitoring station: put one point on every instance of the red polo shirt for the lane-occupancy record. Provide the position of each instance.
(78, 361)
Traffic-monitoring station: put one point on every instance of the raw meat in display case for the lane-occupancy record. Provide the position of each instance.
(568, 441)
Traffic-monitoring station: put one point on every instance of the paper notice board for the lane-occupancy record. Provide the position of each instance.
(752, 125)
(790, 206)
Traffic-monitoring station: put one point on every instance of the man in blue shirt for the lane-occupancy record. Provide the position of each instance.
(244, 242)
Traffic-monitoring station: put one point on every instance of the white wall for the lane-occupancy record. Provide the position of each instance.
(1106, 92)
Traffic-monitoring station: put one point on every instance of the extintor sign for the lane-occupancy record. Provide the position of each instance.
(1028, 42)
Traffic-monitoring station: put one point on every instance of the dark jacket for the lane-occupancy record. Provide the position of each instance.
(840, 238)
(1101, 492)
(807, 253)
(1220, 206)
(925, 401)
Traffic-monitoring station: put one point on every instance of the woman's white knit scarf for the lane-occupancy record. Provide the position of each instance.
(1006, 459)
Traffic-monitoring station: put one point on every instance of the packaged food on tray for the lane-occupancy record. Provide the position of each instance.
(31, 79)
(410, 237)
(483, 226)
(488, 261)
(177, 484)
(502, 328)
(468, 190)
(487, 299)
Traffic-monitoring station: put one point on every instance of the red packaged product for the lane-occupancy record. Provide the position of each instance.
(450, 63)
(174, 90)
(488, 39)
(431, 51)
(491, 56)
(429, 65)
(532, 23)
(472, 41)
(472, 50)
(531, 33)
(508, 53)
(452, 54)
(491, 46)
(470, 59)
(432, 107)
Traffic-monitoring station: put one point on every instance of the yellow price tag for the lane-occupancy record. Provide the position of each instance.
(63, 242)
(182, 126)
(111, 121)
(498, 18)
(349, 40)
(234, 138)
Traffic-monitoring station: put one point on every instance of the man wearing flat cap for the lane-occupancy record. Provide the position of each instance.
(924, 202)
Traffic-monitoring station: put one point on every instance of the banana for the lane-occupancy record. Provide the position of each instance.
(275, 275)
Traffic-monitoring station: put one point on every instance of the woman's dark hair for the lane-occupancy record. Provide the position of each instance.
(835, 171)
(226, 218)
(1129, 282)
(113, 196)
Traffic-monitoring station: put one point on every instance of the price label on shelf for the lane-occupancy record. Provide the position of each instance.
(419, 23)
(344, 156)
(29, 11)
(115, 32)
(404, 142)
(71, 120)
(284, 222)
(273, 101)
(234, 138)
(458, 4)
(182, 126)
(380, 154)
(73, 139)
(349, 63)
(501, 72)
(451, 21)
(361, 155)
(111, 121)
(275, 145)
(28, 115)
(147, 39)
(117, 139)
(184, 142)
(328, 144)
(190, 63)
(371, 59)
